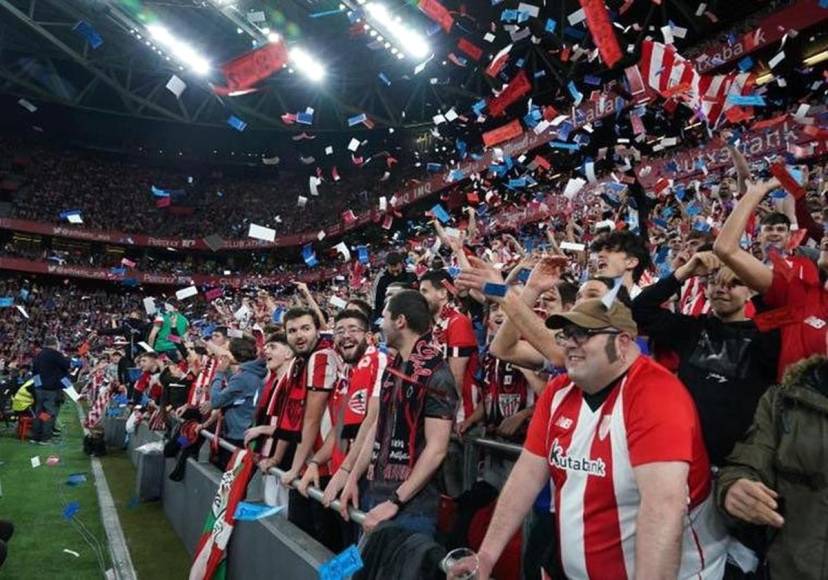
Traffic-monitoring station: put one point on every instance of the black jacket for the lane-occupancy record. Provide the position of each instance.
(52, 366)
(394, 552)
(726, 366)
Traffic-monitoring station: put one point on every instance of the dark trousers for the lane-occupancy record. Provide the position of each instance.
(319, 522)
(46, 409)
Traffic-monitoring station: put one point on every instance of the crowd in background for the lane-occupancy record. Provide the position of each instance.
(522, 336)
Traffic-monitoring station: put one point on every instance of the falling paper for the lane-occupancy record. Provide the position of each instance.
(22, 311)
(572, 188)
(149, 305)
(176, 86)
(35, 462)
(262, 233)
(353, 145)
(185, 293)
(27, 105)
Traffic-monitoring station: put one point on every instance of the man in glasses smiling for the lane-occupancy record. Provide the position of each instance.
(619, 437)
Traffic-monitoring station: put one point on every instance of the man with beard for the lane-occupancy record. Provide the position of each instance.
(620, 439)
(301, 407)
(359, 384)
(404, 449)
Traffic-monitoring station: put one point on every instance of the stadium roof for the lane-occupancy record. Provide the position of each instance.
(43, 56)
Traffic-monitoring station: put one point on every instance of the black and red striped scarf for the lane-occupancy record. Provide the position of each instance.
(402, 402)
(289, 398)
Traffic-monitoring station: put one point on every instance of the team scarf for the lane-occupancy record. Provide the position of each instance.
(200, 390)
(289, 403)
(210, 559)
(402, 402)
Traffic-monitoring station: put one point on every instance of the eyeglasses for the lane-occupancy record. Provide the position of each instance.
(349, 330)
(579, 335)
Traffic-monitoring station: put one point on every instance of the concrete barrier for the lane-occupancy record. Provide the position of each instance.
(260, 549)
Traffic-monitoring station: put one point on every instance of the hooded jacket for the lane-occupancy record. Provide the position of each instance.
(236, 400)
(786, 448)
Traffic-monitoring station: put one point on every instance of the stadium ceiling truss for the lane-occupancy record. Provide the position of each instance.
(42, 58)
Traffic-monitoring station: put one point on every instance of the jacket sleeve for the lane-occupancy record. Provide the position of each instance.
(238, 387)
(64, 363)
(664, 327)
(752, 458)
(215, 387)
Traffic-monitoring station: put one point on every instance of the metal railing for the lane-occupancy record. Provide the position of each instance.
(313, 492)
(356, 515)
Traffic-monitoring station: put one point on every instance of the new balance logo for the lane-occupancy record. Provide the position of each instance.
(561, 460)
(564, 422)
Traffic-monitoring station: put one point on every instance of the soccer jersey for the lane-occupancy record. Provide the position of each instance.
(807, 304)
(454, 335)
(506, 390)
(647, 417)
(350, 400)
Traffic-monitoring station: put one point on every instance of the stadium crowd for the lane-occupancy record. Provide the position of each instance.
(115, 193)
(667, 380)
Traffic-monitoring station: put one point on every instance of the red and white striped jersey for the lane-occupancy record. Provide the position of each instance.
(649, 417)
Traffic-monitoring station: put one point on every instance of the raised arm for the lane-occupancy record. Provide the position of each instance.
(749, 269)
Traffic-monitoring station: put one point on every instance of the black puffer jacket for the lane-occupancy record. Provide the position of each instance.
(394, 552)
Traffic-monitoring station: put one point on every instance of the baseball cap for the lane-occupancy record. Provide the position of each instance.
(593, 314)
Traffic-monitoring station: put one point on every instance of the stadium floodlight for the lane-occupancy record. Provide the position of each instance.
(308, 65)
(179, 49)
(409, 40)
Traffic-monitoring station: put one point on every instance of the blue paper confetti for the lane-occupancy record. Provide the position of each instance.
(309, 256)
(71, 509)
(747, 100)
(76, 479)
(6, 302)
(362, 254)
(248, 511)
(746, 64)
(550, 26)
(357, 119)
(91, 35)
(236, 123)
(440, 213)
(342, 565)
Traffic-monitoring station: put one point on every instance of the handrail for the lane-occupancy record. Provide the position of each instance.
(313, 492)
(496, 445)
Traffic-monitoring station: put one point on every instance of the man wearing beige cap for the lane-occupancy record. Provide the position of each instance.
(620, 439)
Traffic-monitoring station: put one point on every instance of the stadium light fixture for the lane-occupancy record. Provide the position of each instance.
(181, 50)
(308, 65)
(407, 39)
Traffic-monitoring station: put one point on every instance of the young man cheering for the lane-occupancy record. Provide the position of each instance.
(407, 445)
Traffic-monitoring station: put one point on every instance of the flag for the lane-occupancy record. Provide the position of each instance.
(209, 562)
(664, 69)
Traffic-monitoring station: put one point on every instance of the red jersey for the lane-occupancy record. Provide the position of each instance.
(505, 390)
(809, 305)
(317, 372)
(350, 400)
(647, 417)
(454, 335)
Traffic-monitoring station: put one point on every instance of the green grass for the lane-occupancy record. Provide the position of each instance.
(34, 499)
(155, 549)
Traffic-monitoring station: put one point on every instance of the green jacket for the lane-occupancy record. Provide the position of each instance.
(786, 448)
